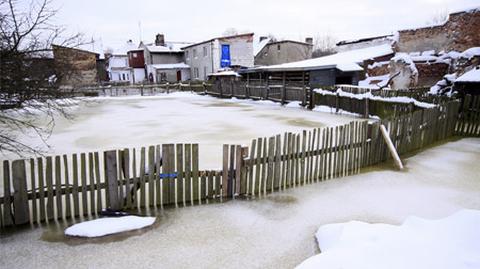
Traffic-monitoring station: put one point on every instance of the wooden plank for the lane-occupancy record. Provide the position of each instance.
(258, 169)
(316, 164)
(121, 176)
(151, 176)
(303, 155)
(283, 175)
(231, 172)
(330, 153)
(111, 179)
(68, 189)
(311, 173)
(251, 165)
(76, 199)
(210, 184)
(392, 149)
(243, 172)
(289, 160)
(58, 187)
(136, 179)
(238, 169)
(195, 174)
(188, 172)
(21, 213)
(218, 180)
(203, 185)
(271, 159)
(264, 167)
(34, 190)
(49, 182)
(98, 180)
(276, 168)
(297, 160)
(83, 178)
(41, 188)
(225, 171)
(143, 193)
(91, 172)
(180, 172)
(7, 197)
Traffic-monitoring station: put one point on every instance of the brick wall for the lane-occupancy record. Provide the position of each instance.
(430, 74)
(460, 32)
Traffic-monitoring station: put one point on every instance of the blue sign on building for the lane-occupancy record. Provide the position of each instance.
(225, 60)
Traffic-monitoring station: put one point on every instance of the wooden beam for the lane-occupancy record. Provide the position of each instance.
(391, 147)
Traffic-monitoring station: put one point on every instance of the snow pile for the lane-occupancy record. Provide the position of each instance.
(226, 73)
(406, 59)
(452, 242)
(106, 226)
(470, 53)
(470, 76)
(374, 82)
(444, 85)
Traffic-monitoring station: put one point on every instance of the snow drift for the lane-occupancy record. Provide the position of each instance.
(452, 242)
(106, 226)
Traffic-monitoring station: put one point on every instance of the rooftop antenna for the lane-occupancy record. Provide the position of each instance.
(140, 30)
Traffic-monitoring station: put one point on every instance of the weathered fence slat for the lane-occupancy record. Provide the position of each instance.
(20, 196)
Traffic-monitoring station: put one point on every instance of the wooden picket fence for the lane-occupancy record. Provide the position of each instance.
(469, 119)
(62, 187)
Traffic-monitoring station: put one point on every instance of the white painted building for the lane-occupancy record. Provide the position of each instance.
(219, 53)
(117, 65)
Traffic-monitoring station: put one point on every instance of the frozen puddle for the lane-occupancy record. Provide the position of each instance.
(107, 226)
(452, 242)
(106, 123)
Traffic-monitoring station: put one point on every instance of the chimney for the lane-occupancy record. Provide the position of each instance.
(309, 40)
(263, 38)
(160, 40)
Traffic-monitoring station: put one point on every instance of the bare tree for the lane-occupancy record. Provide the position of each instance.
(324, 44)
(27, 86)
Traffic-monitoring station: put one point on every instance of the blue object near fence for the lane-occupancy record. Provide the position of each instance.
(225, 60)
(168, 175)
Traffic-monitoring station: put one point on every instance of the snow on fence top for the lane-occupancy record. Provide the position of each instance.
(345, 61)
(470, 76)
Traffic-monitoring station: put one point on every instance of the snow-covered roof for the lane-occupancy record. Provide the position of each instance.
(124, 48)
(169, 47)
(470, 76)
(224, 73)
(345, 61)
(170, 66)
(258, 46)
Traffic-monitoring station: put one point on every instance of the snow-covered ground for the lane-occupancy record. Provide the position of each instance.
(277, 231)
(134, 121)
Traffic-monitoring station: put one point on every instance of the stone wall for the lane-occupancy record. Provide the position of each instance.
(460, 32)
(429, 74)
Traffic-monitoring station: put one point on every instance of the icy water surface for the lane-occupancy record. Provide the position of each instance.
(135, 121)
(276, 231)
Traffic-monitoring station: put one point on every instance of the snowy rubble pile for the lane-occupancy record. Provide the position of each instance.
(452, 242)
(106, 226)
(406, 59)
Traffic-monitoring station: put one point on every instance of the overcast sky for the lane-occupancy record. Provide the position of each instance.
(112, 22)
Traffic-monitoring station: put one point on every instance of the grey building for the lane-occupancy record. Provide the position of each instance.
(164, 61)
(284, 51)
(219, 53)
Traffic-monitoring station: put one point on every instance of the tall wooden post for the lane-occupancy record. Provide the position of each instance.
(366, 112)
(284, 88)
(304, 90)
(111, 177)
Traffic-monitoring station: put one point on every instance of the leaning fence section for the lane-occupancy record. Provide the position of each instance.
(469, 118)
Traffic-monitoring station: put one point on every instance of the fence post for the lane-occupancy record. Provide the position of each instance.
(20, 196)
(111, 178)
(284, 89)
(337, 96)
(304, 90)
(366, 112)
(7, 208)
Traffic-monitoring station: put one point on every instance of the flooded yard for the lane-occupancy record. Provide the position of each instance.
(125, 122)
(276, 231)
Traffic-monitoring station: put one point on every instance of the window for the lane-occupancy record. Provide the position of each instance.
(123, 76)
(134, 55)
(205, 73)
(278, 47)
(194, 53)
(205, 52)
(186, 54)
(195, 72)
